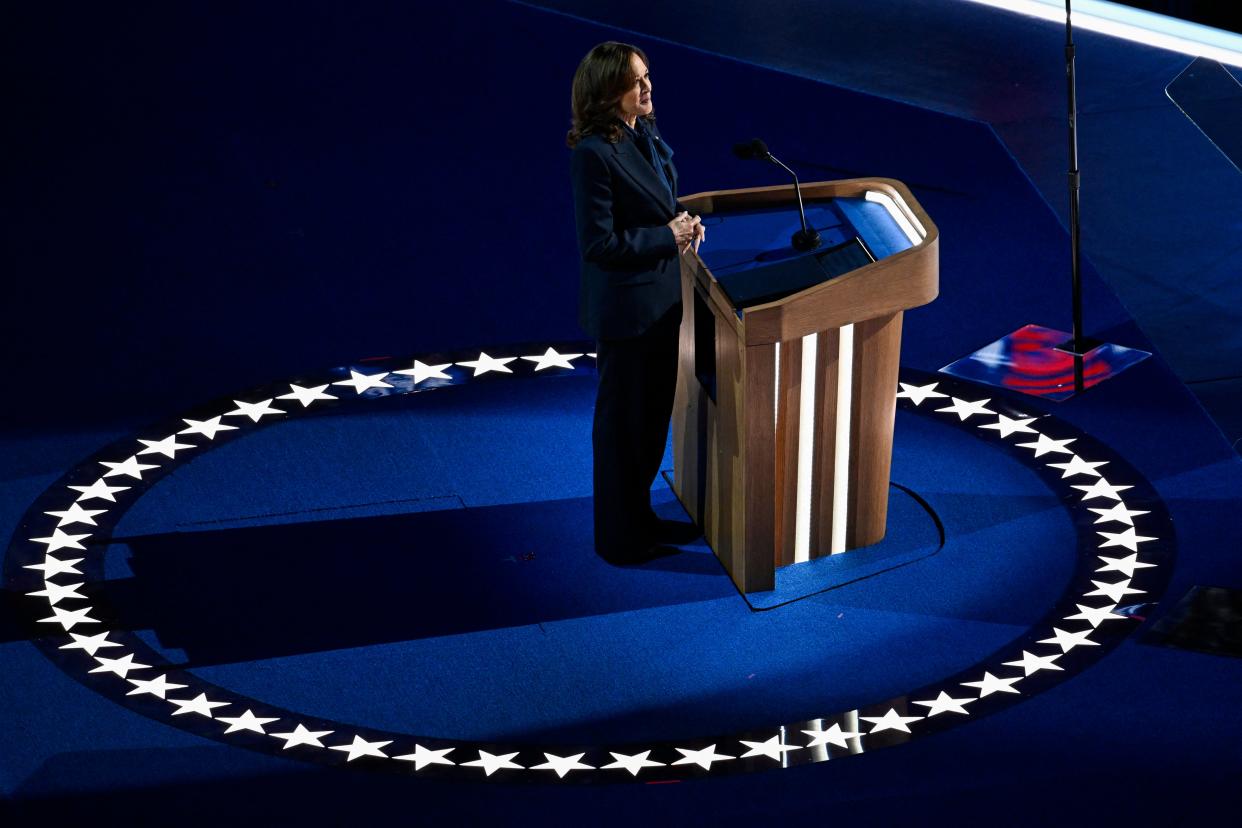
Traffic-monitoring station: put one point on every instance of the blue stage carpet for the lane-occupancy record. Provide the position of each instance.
(487, 592)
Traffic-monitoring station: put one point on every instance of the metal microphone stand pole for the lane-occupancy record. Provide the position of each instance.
(1078, 346)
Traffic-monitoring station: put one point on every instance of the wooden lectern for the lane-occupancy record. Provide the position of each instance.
(774, 475)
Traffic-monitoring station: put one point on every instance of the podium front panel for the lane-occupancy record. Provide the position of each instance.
(787, 379)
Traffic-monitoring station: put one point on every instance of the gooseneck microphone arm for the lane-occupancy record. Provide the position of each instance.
(805, 239)
(797, 189)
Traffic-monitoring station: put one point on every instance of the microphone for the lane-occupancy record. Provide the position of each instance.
(755, 149)
(751, 150)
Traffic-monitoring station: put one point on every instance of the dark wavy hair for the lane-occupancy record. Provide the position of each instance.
(603, 77)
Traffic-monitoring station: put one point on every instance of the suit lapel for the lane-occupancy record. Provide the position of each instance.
(666, 154)
(637, 167)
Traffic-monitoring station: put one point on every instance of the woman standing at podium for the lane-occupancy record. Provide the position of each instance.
(631, 229)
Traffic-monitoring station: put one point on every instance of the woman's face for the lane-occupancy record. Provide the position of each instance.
(637, 100)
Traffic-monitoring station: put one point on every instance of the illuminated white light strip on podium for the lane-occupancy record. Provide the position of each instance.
(841, 472)
(906, 220)
(1134, 25)
(776, 390)
(806, 447)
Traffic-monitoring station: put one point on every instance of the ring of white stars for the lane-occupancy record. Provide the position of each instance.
(66, 548)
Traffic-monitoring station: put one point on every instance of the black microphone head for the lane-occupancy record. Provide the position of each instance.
(749, 150)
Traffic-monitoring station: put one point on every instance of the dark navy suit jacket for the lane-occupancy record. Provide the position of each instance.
(631, 273)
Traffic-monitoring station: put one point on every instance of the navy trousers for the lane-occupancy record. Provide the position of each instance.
(637, 381)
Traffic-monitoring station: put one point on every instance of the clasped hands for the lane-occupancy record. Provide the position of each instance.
(687, 231)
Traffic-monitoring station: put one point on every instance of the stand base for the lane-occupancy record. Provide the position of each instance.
(1040, 361)
(1082, 348)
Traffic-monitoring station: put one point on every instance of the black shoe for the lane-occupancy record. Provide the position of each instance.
(673, 531)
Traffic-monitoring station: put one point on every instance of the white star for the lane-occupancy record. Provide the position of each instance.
(361, 382)
(158, 686)
(246, 721)
(1102, 488)
(53, 566)
(964, 409)
(129, 467)
(60, 540)
(833, 735)
(633, 764)
(702, 757)
(490, 764)
(301, 736)
(90, 643)
(991, 684)
(1046, 445)
(422, 757)
(76, 514)
(1031, 663)
(1128, 539)
(944, 703)
(1094, 615)
(917, 393)
(1077, 465)
(198, 704)
(487, 363)
(1114, 592)
(255, 411)
(562, 764)
(892, 720)
(1117, 513)
(1125, 566)
(361, 747)
(167, 447)
(119, 666)
(207, 428)
(69, 619)
(551, 359)
(55, 593)
(1068, 640)
(422, 371)
(773, 748)
(306, 396)
(99, 489)
(1009, 425)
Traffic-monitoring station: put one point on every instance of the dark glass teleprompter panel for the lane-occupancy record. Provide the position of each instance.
(1207, 619)
(1211, 98)
(783, 278)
